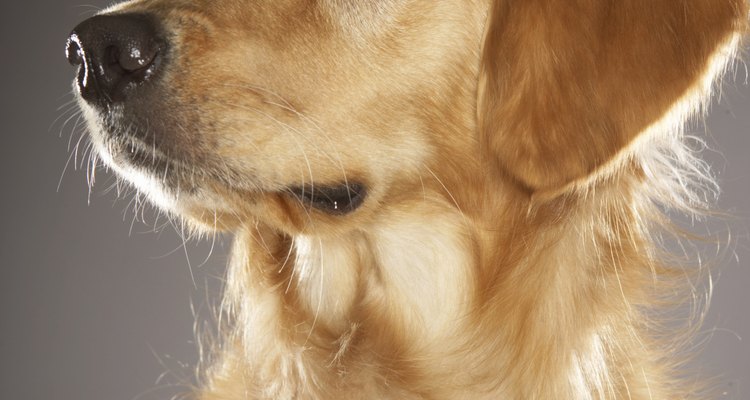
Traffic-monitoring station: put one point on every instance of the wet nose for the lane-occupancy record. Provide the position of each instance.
(115, 54)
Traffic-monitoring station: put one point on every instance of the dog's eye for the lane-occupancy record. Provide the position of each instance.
(337, 199)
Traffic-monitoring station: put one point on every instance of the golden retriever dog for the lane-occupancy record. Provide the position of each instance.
(430, 199)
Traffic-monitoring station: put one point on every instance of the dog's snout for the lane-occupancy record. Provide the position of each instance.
(115, 54)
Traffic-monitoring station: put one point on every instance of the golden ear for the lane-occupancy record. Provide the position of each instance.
(566, 85)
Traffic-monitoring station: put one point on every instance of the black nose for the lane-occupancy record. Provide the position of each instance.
(115, 55)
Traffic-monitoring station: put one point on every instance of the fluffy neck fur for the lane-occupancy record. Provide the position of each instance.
(474, 303)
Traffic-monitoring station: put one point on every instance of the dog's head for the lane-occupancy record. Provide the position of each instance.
(423, 146)
(324, 111)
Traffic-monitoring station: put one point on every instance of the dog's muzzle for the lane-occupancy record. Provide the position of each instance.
(123, 74)
(116, 55)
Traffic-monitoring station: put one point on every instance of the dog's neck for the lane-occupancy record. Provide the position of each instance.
(404, 296)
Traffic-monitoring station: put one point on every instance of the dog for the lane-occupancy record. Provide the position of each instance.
(443, 199)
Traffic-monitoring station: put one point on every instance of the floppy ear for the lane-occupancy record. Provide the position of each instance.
(566, 85)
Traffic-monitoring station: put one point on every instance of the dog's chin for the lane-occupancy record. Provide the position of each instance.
(170, 185)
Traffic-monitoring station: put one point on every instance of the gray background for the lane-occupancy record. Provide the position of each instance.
(91, 310)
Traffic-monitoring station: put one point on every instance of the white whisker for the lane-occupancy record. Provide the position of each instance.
(187, 256)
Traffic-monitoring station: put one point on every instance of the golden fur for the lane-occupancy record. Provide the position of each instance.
(518, 156)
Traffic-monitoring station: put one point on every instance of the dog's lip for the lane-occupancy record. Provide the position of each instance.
(137, 151)
(335, 199)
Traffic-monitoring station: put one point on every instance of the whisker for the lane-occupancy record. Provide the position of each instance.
(291, 131)
(136, 199)
(287, 106)
(187, 256)
(68, 114)
(213, 241)
(88, 9)
(321, 271)
(73, 154)
(447, 191)
(74, 129)
(72, 103)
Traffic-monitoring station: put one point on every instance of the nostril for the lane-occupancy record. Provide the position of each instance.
(115, 54)
(73, 51)
(134, 57)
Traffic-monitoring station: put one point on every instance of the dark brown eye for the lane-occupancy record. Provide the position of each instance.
(336, 200)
